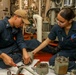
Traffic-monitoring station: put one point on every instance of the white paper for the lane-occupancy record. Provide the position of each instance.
(24, 71)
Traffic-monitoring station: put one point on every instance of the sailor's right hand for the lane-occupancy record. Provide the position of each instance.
(7, 60)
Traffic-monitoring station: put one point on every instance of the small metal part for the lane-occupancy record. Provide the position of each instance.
(20, 69)
(41, 68)
(73, 72)
(24, 67)
(36, 63)
(9, 72)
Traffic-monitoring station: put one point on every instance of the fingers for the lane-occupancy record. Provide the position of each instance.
(27, 61)
(13, 64)
(33, 52)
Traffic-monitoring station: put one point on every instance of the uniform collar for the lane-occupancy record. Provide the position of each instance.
(60, 30)
(7, 23)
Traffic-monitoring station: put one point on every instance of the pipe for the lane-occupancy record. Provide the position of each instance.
(47, 6)
(20, 4)
(39, 26)
(23, 67)
(75, 3)
(40, 7)
(53, 13)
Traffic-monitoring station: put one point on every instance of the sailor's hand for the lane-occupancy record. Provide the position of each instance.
(7, 60)
(26, 57)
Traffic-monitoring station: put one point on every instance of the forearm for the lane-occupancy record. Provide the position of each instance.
(24, 51)
(7, 59)
(2, 55)
(40, 47)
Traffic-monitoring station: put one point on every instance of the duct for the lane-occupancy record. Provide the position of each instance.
(20, 5)
(53, 13)
(40, 7)
(38, 26)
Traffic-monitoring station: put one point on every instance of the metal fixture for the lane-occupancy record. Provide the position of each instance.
(41, 68)
(38, 20)
(61, 65)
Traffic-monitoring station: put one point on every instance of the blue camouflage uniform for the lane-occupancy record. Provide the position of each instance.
(67, 44)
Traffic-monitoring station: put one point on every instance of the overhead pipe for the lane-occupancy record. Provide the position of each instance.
(40, 7)
(20, 4)
(38, 18)
(53, 13)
